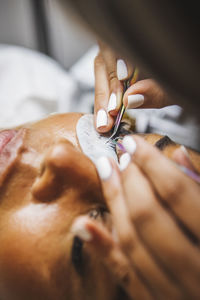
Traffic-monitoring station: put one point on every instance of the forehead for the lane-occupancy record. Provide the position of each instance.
(50, 130)
(39, 137)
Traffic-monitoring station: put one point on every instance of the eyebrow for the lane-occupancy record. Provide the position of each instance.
(77, 255)
(163, 142)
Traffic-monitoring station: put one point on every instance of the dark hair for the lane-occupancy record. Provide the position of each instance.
(161, 36)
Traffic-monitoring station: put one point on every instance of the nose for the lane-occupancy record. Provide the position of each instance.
(64, 167)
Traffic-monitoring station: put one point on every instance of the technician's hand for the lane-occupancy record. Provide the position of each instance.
(110, 71)
(156, 214)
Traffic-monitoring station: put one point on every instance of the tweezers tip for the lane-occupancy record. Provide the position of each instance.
(110, 138)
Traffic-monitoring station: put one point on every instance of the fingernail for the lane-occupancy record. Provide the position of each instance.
(79, 229)
(135, 100)
(122, 72)
(129, 144)
(184, 150)
(112, 104)
(124, 161)
(104, 167)
(102, 119)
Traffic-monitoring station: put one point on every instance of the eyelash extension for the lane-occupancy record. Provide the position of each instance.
(120, 134)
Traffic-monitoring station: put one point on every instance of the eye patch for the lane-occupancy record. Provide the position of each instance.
(91, 142)
(95, 145)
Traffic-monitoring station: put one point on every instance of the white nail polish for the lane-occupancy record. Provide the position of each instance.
(122, 72)
(135, 100)
(184, 150)
(124, 161)
(129, 144)
(112, 104)
(79, 229)
(104, 167)
(102, 119)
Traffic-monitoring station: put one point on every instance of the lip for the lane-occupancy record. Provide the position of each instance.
(5, 137)
(11, 142)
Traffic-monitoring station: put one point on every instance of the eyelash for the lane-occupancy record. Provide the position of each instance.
(122, 131)
(77, 246)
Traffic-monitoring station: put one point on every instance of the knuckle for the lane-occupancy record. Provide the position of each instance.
(143, 216)
(146, 155)
(100, 94)
(112, 76)
(114, 191)
(170, 192)
(127, 243)
(121, 269)
(98, 61)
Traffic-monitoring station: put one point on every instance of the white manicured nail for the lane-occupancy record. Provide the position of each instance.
(122, 71)
(135, 100)
(184, 150)
(129, 144)
(79, 229)
(104, 167)
(124, 161)
(112, 104)
(102, 119)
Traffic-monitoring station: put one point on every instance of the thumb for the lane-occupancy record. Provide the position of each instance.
(145, 94)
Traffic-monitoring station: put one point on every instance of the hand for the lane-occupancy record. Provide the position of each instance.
(110, 70)
(156, 214)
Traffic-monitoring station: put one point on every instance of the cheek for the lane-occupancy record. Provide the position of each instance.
(31, 247)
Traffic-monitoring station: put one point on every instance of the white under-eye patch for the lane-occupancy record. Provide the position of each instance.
(91, 142)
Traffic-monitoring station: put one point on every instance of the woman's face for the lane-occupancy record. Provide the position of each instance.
(45, 183)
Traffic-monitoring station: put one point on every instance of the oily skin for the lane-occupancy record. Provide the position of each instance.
(35, 220)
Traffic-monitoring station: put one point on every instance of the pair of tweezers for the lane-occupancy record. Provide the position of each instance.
(126, 85)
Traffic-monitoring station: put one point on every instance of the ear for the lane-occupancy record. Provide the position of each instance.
(63, 167)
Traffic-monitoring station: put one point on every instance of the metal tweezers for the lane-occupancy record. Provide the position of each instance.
(126, 84)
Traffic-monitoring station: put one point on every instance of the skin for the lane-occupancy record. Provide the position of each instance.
(106, 83)
(156, 216)
(47, 186)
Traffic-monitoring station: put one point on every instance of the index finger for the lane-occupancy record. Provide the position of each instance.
(103, 121)
(174, 187)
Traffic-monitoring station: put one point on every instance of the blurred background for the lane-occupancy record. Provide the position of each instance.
(41, 25)
(46, 62)
(46, 66)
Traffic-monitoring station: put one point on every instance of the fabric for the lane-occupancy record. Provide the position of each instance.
(31, 86)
